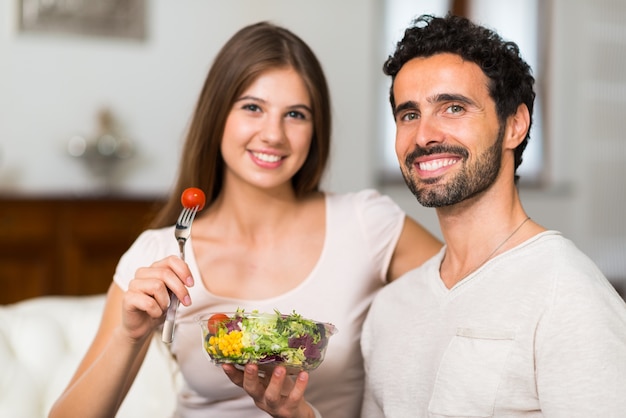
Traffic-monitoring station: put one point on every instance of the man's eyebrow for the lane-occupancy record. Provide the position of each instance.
(450, 97)
(437, 98)
(408, 105)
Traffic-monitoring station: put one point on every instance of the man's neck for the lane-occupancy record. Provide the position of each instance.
(477, 230)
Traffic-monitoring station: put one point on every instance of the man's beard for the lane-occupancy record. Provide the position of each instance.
(468, 182)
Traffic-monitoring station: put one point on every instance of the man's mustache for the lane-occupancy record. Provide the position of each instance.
(435, 149)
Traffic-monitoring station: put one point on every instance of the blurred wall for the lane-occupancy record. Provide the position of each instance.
(51, 88)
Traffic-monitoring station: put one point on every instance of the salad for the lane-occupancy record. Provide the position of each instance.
(266, 339)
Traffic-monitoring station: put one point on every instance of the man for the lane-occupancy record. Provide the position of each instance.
(509, 319)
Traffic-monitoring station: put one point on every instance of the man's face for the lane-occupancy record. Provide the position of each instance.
(448, 138)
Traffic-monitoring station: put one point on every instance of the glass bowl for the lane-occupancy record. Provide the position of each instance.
(265, 339)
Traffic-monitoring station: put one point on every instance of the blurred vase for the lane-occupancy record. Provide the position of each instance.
(103, 154)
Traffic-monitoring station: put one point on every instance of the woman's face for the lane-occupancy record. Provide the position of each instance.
(268, 131)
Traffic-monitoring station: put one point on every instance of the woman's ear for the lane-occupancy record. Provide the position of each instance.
(517, 127)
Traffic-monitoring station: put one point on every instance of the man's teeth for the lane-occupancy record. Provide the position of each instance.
(268, 158)
(436, 164)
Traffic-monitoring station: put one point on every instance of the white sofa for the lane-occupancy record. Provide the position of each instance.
(42, 341)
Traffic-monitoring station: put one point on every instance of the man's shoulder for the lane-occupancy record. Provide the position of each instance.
(552, 249)
(417, 277)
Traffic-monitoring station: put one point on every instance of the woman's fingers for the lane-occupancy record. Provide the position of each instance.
(170, 273)
(278, 388)
(235, 375)
(148, 295)
(297, 391)
(275, 393)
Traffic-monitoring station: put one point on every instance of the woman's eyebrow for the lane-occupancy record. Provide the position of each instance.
(248, 97)
(301, 107)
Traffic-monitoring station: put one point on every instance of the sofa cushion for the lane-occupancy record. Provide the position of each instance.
(42, 340)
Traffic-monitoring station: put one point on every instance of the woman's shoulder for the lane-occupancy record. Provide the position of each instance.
(156, 235)
(373, 212)
(362, 198)
(151, 243)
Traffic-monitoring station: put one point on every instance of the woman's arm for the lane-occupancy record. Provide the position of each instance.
(108, 369)
(415, 245)
(129, 320)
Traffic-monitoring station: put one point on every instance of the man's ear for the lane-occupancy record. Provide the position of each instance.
(517, 127)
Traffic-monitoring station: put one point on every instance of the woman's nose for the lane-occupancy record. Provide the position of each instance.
(273, 129)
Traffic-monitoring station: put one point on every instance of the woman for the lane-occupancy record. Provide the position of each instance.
(268, 239)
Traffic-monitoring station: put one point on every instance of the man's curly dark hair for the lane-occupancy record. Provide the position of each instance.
(511, 81)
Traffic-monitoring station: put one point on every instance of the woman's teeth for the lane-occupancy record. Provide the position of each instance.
(268, 158)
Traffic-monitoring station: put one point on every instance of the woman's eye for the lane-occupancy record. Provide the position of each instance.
(296, 115)
(252, 107)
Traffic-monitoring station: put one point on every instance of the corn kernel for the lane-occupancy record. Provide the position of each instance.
(228, 344)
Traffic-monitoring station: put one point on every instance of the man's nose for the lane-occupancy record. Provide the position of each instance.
(428, 131)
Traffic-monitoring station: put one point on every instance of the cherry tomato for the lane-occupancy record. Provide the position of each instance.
(215, 320)
(193, 197)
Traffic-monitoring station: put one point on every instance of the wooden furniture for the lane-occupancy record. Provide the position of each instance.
(65, 246)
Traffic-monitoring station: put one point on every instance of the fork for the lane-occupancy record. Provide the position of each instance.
(182, 231)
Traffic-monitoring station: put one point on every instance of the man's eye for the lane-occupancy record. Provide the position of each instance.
(409, 116)
(455, 109)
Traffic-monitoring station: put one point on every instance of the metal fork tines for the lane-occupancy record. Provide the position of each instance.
(182, 231)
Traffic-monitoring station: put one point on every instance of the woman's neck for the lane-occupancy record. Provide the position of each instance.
(254, 212)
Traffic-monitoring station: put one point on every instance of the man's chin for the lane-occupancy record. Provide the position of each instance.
(428, 203)
(431, 199)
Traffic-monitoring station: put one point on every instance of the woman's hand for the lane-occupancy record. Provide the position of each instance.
(145, 303)
(277, 394)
